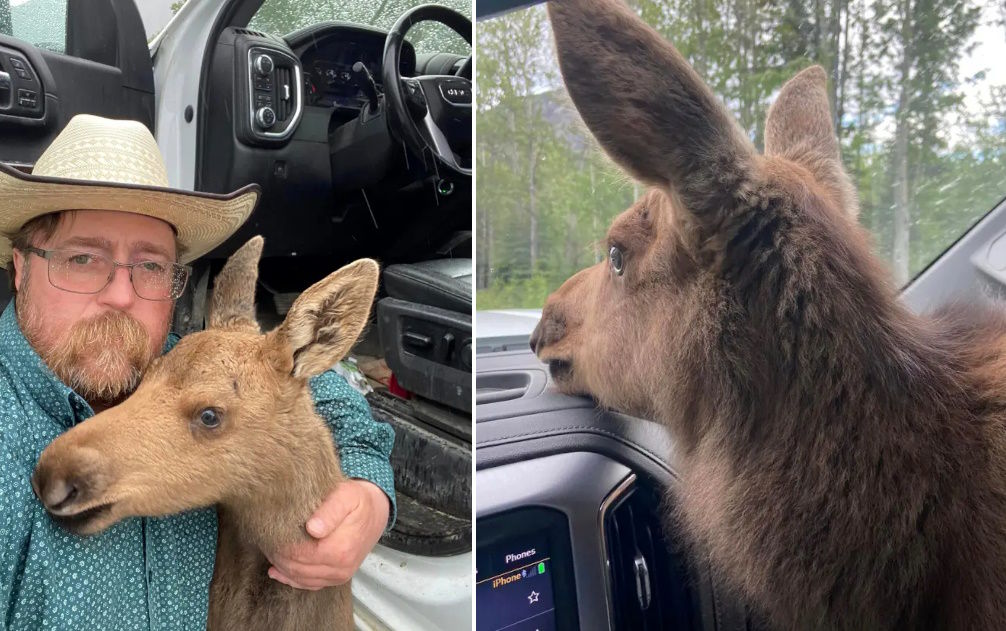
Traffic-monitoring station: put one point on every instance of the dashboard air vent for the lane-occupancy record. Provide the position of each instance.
(649, 582)
(285, 90)
(501, 386)
(244, 31)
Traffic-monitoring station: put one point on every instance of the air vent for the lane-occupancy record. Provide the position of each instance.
(285, 92)
(501, 386)
(649, 582)
(244, 31)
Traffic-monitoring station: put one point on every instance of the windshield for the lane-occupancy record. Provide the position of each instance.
(281, 17)
(919, 104)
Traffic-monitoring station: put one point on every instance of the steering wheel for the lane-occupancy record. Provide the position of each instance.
(466, 69)
(430, 113)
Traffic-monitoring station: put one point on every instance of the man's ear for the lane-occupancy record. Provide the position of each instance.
(326, 320)
(799, 128)
(20, 269)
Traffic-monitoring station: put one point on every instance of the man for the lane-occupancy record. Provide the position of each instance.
(97, 251)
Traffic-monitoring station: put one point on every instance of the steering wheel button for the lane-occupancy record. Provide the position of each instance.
(27, 98)
(456, 92)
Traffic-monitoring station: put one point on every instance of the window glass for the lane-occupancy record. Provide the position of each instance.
(919, 103)
(41, 23)
(281, 17)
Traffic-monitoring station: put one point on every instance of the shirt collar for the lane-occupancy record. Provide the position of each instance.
(55, 397)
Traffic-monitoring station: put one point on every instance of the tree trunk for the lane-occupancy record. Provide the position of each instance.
(902, 196)
(832, 54)
(843, 72)
(699, 24)
(572, 251)
(594, 224)
(532, 203)
(484, 249)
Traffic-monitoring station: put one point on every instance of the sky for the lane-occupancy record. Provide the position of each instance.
(989, 55)
(155, 14)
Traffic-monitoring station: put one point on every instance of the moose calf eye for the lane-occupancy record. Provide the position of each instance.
(209, 418)
(615, 256)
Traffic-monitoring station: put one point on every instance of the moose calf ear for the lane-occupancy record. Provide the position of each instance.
(326, 320)
(647, 108)
(800, 118)
(233, 302)
(799, 128)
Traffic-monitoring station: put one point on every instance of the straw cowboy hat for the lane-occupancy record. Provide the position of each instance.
(101, 164)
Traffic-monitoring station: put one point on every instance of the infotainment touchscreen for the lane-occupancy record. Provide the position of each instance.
(524, 577)
(514, 586)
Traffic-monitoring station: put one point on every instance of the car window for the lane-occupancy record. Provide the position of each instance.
(41, 23)
(919, 101)
(281, 17)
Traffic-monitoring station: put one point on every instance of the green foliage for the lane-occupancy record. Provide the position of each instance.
(545, 194)
(527, 293)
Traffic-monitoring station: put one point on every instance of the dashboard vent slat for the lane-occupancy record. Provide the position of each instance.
(244, 31)
(650, 587)
(284, 106)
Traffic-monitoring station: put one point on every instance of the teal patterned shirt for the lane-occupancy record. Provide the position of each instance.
(141, 573)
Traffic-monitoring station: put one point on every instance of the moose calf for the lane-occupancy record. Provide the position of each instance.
(843, 460)
(226, 418)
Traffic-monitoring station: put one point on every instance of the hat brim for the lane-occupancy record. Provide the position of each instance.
(202, 221)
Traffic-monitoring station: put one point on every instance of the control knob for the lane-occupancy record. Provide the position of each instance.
(265, 117)
(263, 64)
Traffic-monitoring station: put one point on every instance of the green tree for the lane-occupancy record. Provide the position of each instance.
(925, 164)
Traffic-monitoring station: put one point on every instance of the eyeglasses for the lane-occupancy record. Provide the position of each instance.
(87, 273)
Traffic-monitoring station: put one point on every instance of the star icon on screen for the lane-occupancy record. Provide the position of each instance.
(533, 598)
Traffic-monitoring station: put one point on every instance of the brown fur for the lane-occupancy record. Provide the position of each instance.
(268, 465)
(842, 458)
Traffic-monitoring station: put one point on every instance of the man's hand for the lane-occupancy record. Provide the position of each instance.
(345, 529)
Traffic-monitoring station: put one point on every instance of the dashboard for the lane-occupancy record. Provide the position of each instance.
(328, 59)
(571, 513)
(281, 111)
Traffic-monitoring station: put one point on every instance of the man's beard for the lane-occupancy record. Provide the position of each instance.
(102, 358)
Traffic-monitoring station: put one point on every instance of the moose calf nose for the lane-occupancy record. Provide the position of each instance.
(54, 492)
(550, 329)
(535, 337)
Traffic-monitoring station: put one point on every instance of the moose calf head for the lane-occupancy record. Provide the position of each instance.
(639, 325)
(214, 417)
